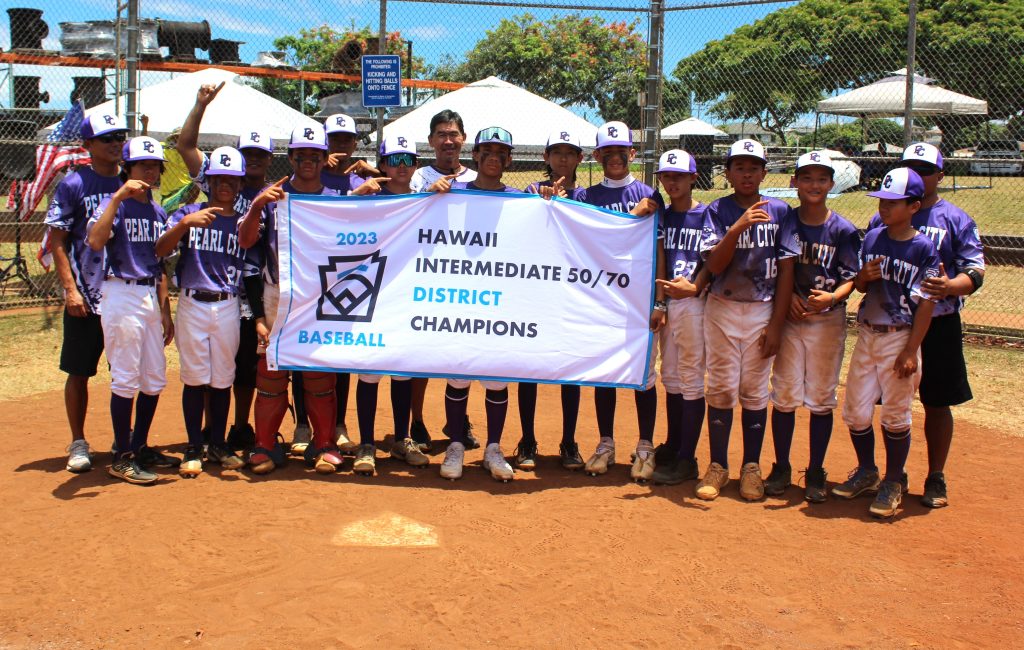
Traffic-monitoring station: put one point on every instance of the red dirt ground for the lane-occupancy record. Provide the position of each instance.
(553, 559)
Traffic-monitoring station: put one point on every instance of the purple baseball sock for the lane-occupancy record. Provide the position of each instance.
(821, 433)
(366, 410)
(401, 402)
(646, 412)
(145, 409)
(456, 400)
(719, 428)
(570, 412)
(753, 433)
(783, 423)
(864, 445)
(220, 403)
(674, 416)
(604, 404)
(121, 420)
(692, 421)
(496, 405)
(897, 448)
(526, 395)
(192, 408)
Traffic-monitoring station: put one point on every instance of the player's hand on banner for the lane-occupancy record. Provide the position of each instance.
(75, 303)
(168, 324)
(133, 189)
(769, 341)
(202, 218)
(657, 320)
(262, 332)
(207, 93)
(363, 169)
(906, 363)
(272, 193)
(678, 287)
(371, 186)
(645, 208)
(871, 271)
(753, 214)
(797, 308)
(442, 184)
(937, 287)
(819, 301)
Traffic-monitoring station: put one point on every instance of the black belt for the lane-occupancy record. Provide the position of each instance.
(144, 282)
(884, 329)
(208, 296)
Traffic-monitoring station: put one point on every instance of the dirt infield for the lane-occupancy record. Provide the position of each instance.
(553, 559)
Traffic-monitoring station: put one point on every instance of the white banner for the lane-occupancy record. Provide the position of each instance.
(464, 284)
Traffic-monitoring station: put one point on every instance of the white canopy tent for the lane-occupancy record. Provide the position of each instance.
(887, 98)
(691, 126)
(846, 173)
(237, 108)
(493, 102)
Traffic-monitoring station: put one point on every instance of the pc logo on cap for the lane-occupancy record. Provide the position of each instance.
(397, 144)
(900, 183)
(751, 148)
(99, 124)
(340, 123)
(614, 134)
(923, 152)
(308, 137)
(256, 139)
(814, 159)
(563, 136)
(677, 160)
(142, 147)
(226, 161)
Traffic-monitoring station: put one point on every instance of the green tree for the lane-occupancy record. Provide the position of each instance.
(852, 134)
(571, 60)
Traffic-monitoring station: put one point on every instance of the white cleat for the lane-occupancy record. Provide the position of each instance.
(451, 468)
(643, 462)
(495, 461)
(603, 458)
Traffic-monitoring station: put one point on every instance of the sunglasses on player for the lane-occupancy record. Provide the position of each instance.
(494, 134)
(116, 136)
(924, 170)
(399, 159)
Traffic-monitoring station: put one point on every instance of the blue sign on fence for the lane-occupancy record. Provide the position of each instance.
(382, 80)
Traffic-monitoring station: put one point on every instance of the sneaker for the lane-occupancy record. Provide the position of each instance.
(603, 458)
(149, 457)
(301, 439)
(79, 458)
(126, 469)
(751, 483)
(467, 429)
(345, 444)
(192, 466)
(366, 460)
(408, 450)
(264, 461)
(495, 461)
(675, 472)
(861, 480)
(224, 456)
(934, 490)
(716, 478)
(887, 501)
(664, 455)
(569, 454)
(778, 480)
(418, 432)
(815, 491)
(526, 455)
(241, 437)
(644, 462)
(451, 467)
(326, 460)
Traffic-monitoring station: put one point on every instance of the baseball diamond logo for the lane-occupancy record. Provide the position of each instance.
(919, 150)
(349, 286)
(888, 181)
(225, 159)
(613, 132)
(748, 146)
(402, 142)
(671, 158)
(308, 134)
(148, 146)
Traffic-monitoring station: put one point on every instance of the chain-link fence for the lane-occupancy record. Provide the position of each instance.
(796, 76)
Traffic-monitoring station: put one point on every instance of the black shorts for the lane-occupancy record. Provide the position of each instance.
(245, 358)
(83, 345)
(943, 369)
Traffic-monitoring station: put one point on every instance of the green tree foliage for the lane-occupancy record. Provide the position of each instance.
(571, 60)
(851, 135)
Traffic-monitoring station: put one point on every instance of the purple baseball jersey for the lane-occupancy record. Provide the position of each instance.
(268, 231)
(74, 203)
(470, 185)
(681, 237)
(829, 254)
(341, 182)
(619, 196)
(131, 249)
(956, 239)
(893, 299)
(211, 259)
(534, 188)
(751, 275)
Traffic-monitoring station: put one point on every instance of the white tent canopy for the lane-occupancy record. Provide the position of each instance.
(886, 98)
(493, 102)
(846, 173)
(237, 108)
(691, 126)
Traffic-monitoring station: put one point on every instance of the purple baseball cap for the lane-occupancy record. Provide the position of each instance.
(99, 124)
(142, 147)
(923, 152)
(677, 160)
(226, 161)
(614, 134)
(900, 183)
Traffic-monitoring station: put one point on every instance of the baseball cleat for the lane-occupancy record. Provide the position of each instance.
(192, 466)
(408, 450)
(345, 444)
(79, 458)
(861, 480)
(451, 467)
(778, 480)
(935, 491)
(126, 469)
(603, 458)
(263, 460)
(224, 457)
(526, 455)
(716, 478)
(366, 460)
(569, 454)
(887, 501)
(326, 460)
(751, 483)
(674, 473)
(815, 491)
(301, 439)
(149, 457)
(495, 462)
(643, 462)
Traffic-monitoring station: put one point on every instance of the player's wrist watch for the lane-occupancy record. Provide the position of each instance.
(660, 305)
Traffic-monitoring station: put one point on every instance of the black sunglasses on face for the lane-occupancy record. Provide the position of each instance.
(116, 136)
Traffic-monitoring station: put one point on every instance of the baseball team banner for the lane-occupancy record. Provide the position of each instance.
(464, 284)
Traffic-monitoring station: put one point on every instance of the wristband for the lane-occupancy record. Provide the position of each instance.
(660, 305)
(833, 296)
(977, 279)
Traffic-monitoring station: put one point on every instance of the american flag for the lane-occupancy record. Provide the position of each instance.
(52, 158)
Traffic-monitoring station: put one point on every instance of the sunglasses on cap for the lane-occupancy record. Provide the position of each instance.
(494, 134)
(923, 169)
(116, 136)
(399, 159)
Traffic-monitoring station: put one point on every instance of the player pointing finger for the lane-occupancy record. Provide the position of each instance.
(443, 184)
(371, 186)
(208, 92)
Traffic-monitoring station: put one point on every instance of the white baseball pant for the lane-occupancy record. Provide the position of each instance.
(871, 376)
(375, 379)
(806, 369)
(736, 369)
(686, 328)
(133, 336)
(207, 335)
